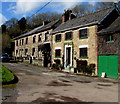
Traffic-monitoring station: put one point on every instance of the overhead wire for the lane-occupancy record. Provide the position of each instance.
(41, 8)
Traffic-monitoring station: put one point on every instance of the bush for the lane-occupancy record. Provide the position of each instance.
(57, 66)
(81, 66)
(90, 69)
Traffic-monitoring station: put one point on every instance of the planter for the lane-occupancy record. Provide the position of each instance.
(72, 69)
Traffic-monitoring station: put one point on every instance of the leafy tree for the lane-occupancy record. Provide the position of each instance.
(5, 42)
(11, 22)
(3, 28)
(22, 23)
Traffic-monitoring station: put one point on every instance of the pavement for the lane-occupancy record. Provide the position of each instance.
(39, 84)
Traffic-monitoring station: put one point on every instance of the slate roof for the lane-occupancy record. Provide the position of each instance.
(28, 33)
(39, 29)
(85, 20)
(112, 28)
(48, 26)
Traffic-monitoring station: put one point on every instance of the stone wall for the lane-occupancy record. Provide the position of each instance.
(38, 54)
(91, 41)
(109, 48)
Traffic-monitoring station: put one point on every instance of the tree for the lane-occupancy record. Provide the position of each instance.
(22, 23)
(11, 22)
(5, 42)
(81, 9)
(3, 27)
(103, 5)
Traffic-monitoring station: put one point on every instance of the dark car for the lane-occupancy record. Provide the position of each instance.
(5, 58)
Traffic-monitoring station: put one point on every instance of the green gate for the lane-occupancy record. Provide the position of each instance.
(109, 65)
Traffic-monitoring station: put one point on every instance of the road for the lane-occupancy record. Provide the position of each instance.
(39, 84)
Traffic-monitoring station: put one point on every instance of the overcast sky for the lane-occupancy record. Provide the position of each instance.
(22, 8)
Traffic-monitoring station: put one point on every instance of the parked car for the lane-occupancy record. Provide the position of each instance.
(5, 58)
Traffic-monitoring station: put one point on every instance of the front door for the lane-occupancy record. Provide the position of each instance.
(68, 56)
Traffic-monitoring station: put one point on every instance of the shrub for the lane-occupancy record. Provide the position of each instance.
(90, 69)
(57, 66)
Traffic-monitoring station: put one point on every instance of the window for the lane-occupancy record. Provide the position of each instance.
(17, 43)
(109, 38)
(46, 36)
(26, 51)
(26, 42)
(83, 33)
(57, 53)
(33, 51)
(39, 37)
(34, 38)
(58, 38)
(22, 41)
(83, 52)
(68, 36)
(16, 52)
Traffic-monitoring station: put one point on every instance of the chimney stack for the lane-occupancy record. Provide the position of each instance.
(67, 15)
(45, 22)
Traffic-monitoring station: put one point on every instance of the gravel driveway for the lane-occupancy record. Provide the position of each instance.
(39, 84)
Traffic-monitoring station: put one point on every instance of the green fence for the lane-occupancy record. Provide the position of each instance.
(109, 65)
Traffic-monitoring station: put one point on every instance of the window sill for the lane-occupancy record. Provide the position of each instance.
(57, 57)
(83, 38)
(109, 41)
(58, 41)
(84, 57)
(67, 39)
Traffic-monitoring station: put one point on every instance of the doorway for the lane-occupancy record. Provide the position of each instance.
(68, 56)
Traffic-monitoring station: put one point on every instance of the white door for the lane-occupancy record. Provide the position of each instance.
(68, 56)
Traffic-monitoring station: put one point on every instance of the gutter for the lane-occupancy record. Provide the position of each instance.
(93, 23)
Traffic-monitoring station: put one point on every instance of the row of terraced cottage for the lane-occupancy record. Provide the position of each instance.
(89, 42)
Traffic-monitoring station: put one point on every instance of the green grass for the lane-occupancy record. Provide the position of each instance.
(5, 74)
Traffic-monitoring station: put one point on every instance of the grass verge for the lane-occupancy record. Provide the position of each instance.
(5, 74)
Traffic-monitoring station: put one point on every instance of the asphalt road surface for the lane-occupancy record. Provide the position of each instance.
(39, 84)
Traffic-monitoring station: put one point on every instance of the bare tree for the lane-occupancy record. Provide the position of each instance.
(103, 5)
(81, 9)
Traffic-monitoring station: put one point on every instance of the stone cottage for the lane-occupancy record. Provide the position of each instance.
(75, 41)
(36, 44)
(109, 50)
